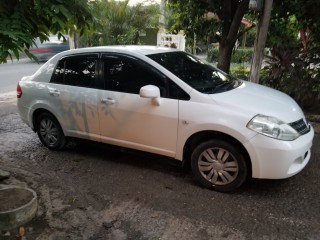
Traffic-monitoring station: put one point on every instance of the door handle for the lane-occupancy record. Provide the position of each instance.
(53, 91)
(108, 101)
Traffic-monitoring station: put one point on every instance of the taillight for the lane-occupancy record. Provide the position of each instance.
(19, 91)
(41, 50)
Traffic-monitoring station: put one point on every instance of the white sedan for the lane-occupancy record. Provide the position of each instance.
(167, 102)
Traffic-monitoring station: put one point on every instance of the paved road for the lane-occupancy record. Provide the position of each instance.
(12, 72)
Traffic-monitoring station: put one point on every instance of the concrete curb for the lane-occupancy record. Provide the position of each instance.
(13, 218)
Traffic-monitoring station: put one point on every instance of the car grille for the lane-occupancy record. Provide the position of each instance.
(300, 126)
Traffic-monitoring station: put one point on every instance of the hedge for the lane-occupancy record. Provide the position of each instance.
(239, 56)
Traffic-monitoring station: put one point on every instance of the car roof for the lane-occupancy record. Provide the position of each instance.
(133, 49)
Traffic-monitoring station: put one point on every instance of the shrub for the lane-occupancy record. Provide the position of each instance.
(295, 72)
(212, 55)
(240, 72)
(240, 55)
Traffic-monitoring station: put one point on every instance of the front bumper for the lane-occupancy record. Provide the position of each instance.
(277, 159)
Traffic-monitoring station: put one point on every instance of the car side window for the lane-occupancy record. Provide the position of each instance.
(79, 70)
(177, 93)
(126, 74)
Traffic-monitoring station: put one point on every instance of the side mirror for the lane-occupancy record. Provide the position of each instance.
(151, 91)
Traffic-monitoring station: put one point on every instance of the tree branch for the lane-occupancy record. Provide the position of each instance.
(236, 20)
(245, 30)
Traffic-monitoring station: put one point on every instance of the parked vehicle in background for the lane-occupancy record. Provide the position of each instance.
(44, 51)
(168, 102)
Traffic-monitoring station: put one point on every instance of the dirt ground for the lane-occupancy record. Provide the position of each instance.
(92, 191)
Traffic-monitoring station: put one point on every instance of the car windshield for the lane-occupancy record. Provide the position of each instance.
(199, 75)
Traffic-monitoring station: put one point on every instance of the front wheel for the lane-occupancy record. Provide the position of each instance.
(219, 165)
(50, 132)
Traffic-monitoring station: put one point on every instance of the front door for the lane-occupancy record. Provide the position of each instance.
(128, 120)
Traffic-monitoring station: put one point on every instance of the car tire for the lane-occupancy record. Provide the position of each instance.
(219, 165)
(50, 132)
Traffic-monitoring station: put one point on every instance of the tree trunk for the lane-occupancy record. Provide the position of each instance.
(231, 16)
(224, 57)
(260, 41)
(193, 42)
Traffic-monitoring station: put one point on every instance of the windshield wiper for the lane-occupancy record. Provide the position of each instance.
(219, 88)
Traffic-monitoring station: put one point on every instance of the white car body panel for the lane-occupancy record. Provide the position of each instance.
(266, 101)
(213, 118)
(76, 110)
(135, 122)
(276, 159)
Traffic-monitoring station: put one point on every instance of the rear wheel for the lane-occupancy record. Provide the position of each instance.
(219, 165)
(50, 132)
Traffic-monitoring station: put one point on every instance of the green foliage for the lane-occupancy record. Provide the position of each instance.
(249, 34)
(294, 40)
(240, 55)
(240, 72)
(283, 31)
(118, 23)
(304, 13)
(212, 55)
(23, 21)
(211, 21)
(190, 17)
(115, 21)
(294, 71)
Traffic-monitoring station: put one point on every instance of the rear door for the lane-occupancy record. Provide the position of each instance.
(73, 94)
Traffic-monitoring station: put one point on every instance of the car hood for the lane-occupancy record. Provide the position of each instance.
(256, 99)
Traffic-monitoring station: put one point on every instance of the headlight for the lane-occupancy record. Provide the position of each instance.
(272, 127)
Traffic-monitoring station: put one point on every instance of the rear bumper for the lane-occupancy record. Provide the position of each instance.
(24, 114)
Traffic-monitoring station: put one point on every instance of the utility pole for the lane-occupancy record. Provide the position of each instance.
(260, 41)
(162, 19)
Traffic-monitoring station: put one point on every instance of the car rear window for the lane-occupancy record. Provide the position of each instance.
(77, 70)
